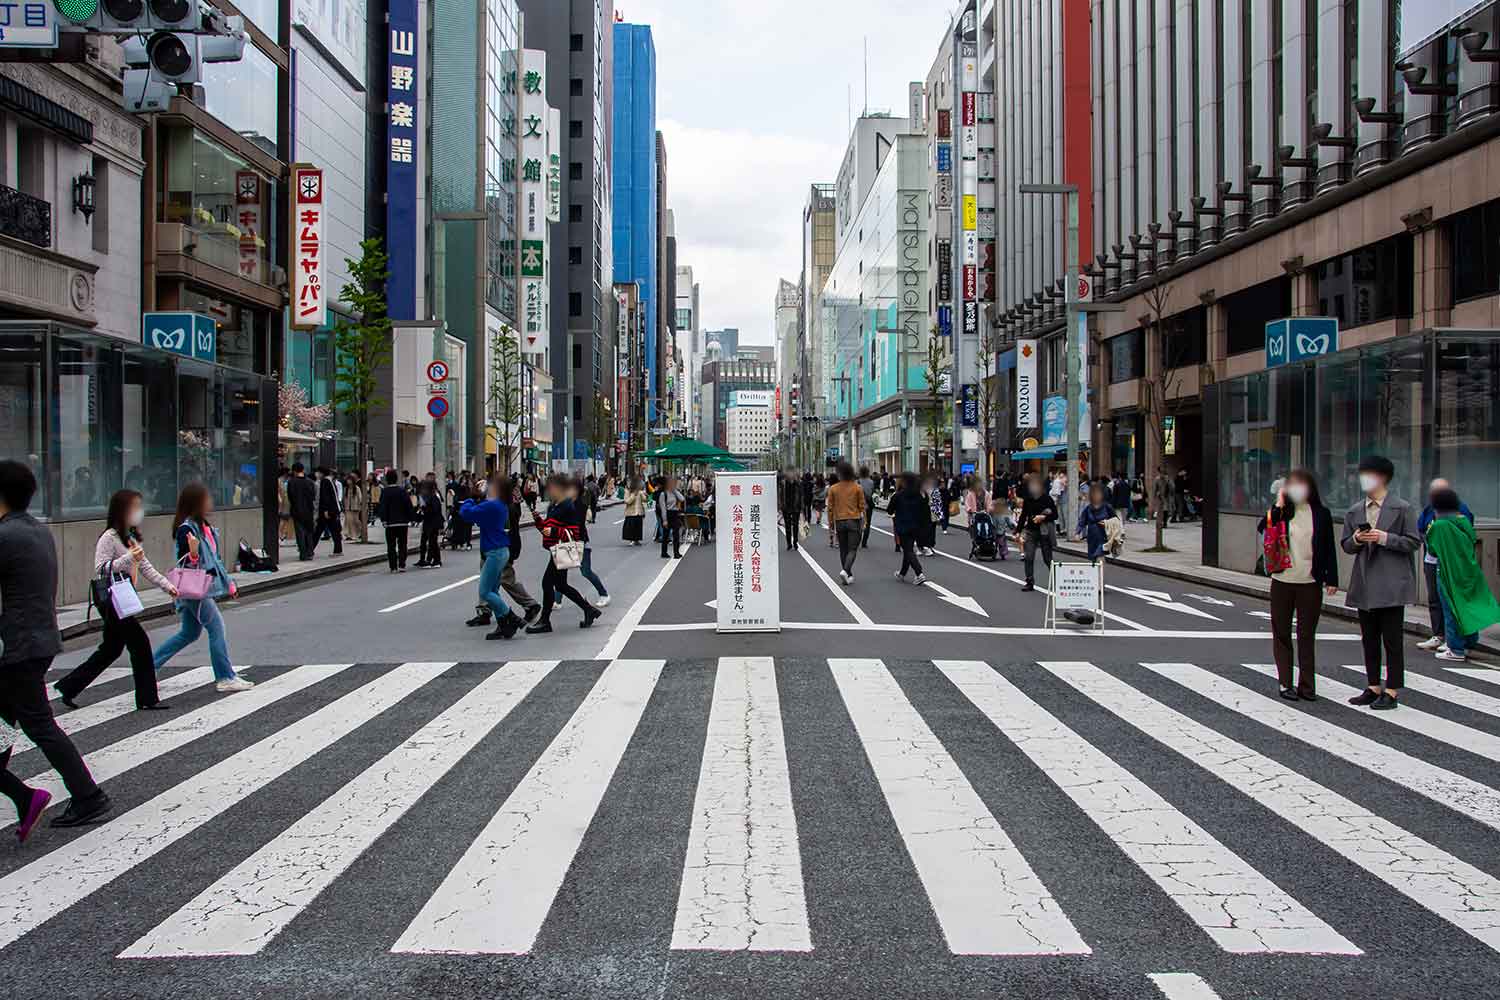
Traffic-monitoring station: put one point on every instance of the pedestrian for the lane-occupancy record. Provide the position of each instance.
(591, 500)
(635, 512)
(1468, 605)
(492, 515)
(949, 497)
(302, 501)
(330, 516)
(430, 512)
(846, 516)
(1091, 518)
(198, 546)
(669, 510)
(933, 488)
(356, 510)
(808, 486)
(1038, 524)
(819, 500)
(28, 642)
(562, 523)
(1298, 589)
(395, 512)
(911, 517)
(789, 491)
(283, 506)
(119, 552)
(867, 487)
(1380, 531)
(1435, 616)
(582, 497)
(530, 607)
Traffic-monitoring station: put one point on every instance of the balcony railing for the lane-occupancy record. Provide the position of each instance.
(24, 217)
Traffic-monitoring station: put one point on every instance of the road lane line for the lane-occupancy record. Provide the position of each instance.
(431, 593)
(243, 911)
(1445, 787)
(1239, 908)
(843, 598)
(1452, 889)
(145, 746)
(87, 716)
(496, 898)
(631, 622)
(986, 897)
(1044, 633)
(1183, 986)
(34, 893)
(742, 878)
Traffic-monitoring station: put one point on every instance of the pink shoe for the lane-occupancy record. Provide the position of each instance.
(39, 800)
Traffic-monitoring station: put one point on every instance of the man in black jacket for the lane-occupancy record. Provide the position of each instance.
(302, 500)
(791, 507)
(395, 512)
(1038, 527)
(329, 515)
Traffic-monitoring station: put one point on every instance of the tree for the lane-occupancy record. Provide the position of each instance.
(506, 404)
(938, 415)
(987, 385)
(295, 413)
(1161, 388)
(601, 423)
(363, 345)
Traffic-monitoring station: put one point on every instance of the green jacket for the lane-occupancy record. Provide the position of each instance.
(1452, 540)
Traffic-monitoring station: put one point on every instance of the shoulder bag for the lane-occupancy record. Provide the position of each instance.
(1278, 546)
(113, 595)
(567, 555)
(192, 584)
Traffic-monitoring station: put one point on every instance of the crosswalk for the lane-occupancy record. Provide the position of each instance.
(1177, 774)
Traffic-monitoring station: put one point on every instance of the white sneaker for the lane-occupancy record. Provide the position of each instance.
(1443, 648)
(844, 578)
(1448, 654)
(921, 579)
(602, 602)
(1434, 643)
(233, 684)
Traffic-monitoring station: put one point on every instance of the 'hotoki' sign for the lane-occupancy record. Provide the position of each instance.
(1300, 338)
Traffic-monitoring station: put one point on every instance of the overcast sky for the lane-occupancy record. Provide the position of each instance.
(753, 99)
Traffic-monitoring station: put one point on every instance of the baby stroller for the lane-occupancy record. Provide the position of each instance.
(984, 541)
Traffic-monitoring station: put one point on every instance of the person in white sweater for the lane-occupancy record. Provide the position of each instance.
(120, 547)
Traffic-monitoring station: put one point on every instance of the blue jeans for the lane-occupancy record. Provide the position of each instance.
(195, 617)
(489, 581)
(1458, 644)
(587, 569)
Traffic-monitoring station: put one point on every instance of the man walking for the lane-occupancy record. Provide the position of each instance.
(669, 507)
(395, 512)
(302, 499)
(791, 507)
(28, 642)
(329, 515)
(867, 487)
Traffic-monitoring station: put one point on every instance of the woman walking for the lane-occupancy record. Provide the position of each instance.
(935, 504)
(430, 550)
(635, 512)
(563, 523)
(1468, 605)
(198, 547)
(492, 515)
(846, 514)
(911, 518)
(1298, 589)
(119, 549)
(820, 500)
(1091, 520)
(670, 506)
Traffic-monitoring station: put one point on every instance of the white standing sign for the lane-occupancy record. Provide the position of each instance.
(746, 550)
(1026, 394)
(1076, 586)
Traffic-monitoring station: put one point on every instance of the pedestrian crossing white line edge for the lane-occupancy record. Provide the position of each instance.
(431, 593)
(843, 598)
(1477, 673)
(631, 622)
(742, 887)
(85, 717)
(1183, 986)
(1243, 911)
(987, 898)
(105, 676)
(244, 910)
(1046, 633)
(1454, 694)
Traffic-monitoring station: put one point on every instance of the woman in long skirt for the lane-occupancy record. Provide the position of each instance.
(635, 512)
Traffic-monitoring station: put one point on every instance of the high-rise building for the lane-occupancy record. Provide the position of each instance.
(689, 337)
(787, 309)
(722, 381)
(721, 344)
(667, 310)
(638, 220)
(819, 248)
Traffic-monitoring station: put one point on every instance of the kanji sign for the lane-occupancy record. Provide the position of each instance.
(533, 259)
(247, 217)
(402, 135)
(27, 24)
(746, 552)
(309, 306)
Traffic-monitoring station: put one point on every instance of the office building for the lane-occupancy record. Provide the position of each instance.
(788, 307)
(689, 339)
(818, 254)
(638, 213)
(723, 380)
(749, 427)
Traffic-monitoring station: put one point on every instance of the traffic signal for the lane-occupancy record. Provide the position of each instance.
(128, 17)
(178, 57)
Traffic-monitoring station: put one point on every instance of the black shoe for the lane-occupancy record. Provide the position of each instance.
(421, 565)
(511, 624)
(533, 613)
(1384, 703)
(1028, 588)
(1290, 694)
(502, 631)
(676, 555)
(65, 698)
(589, 617)
(539, 628)
(91, 810)
(160, 706)
(479, 621)
(1306, 695)
(1365, 697)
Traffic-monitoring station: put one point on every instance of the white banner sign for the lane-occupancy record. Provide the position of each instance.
(745, 553)
(1075, 586)
(308, 304)
(1026, 395)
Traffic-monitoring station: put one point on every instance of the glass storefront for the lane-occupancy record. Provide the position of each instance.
(241, 94)
(227, 206)
(93, 414)
(1428, 403)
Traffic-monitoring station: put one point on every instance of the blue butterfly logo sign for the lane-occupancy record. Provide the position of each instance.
(1300, 338)
(186, 334)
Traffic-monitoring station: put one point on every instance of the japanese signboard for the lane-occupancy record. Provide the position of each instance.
(190, 335)
(247, 209)
(1076, 586)
(944, 186)
(533, 173)
(403, 140)
(746, 551)
(533, 259)
(309, 307)
(970, 412)
(971, 282)
(945, 270)
(1026, 385)
(971, 317)
(945, 123)
(969, 109)
(971, 212)
(27, 24)
(917, 105)
(945, 157)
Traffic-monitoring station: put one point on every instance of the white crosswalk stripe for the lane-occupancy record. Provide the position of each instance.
(1454, 694)
(1477, 673)
(97, 713)
(987, 898)
(1183, 986)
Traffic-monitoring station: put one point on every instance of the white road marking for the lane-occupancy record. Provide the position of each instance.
(995, 630)
(107, 675)
(1434, 727)
(1208, 599)
(986, 897)
(1454, 694)
(147, 745)
(243, 911)
(496, 898)
(620, 521)
(1242, 910)
(712, 604)
(1161, 599)
(1477, 673)
(957, 600)
(1445, 787)
(37, 892)
(631, 622)
(1451, 888)
(1182, 986)
(1263, 614)
(431, 593)
(854, 609)
(100, 712)
(742, 878)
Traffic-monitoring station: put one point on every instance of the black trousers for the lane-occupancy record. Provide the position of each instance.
(13, 787)
(1383, 627)
(909, 554)
(1306, 601)
(334, 527)
(395, 546)
(1434, 599)
(554, 582)
(672, 528)
(24, 704)
(307, 537)
(1032, 540)
(792, 519)
(849, 533)
(429, 552)
(864, 541)
(119, 634)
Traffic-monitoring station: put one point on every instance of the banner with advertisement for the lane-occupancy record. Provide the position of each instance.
(403, 144)
(746, 549)
(1026, 385)
(309, 306)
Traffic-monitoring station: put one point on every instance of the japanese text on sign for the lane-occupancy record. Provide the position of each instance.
(308, 304)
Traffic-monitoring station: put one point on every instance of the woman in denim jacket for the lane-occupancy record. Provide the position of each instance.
(198, 548)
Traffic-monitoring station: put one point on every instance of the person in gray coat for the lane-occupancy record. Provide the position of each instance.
(1380, 531)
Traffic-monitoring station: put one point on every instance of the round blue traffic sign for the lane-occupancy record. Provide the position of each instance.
(437, 407)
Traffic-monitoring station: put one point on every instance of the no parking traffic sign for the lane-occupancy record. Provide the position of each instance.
(437, 407)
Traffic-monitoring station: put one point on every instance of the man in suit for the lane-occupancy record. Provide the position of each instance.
(1380, 531)
(329, 514)
(302, 500)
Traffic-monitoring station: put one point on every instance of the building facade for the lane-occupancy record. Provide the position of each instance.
(788, 307)
(637, 210)
(723, 380)
(748, 429)
(688, 334)
(805, 406)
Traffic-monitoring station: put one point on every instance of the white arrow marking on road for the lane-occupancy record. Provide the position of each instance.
(958, 601)
(712, 604)
(1206, 599)
(1159, 599)
(1259, 614)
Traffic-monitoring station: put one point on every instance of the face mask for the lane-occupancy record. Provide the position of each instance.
(1369, 482)
(136, 517)
(1297, 493)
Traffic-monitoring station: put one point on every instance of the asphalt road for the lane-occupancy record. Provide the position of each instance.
(899, 795)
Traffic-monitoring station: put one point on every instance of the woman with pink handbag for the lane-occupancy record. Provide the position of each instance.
(201, 579)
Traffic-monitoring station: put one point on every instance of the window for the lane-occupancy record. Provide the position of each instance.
(575, 171)
(1371, 284)
(235, 94)
(575, 43)
(1247, 312)
(575, 255)
(575, 214)
(575, 87)
(577, 355)
(100, 220)
(199, 186)
(575, 303)
(575, 129)
(1475, 237)
(577, 409)
(1126, 358)
(1184, 342)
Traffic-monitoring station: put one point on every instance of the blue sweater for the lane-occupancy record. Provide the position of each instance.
(493, 519)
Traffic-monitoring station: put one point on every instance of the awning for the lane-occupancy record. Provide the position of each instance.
(1050, 451)
(288, 436)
